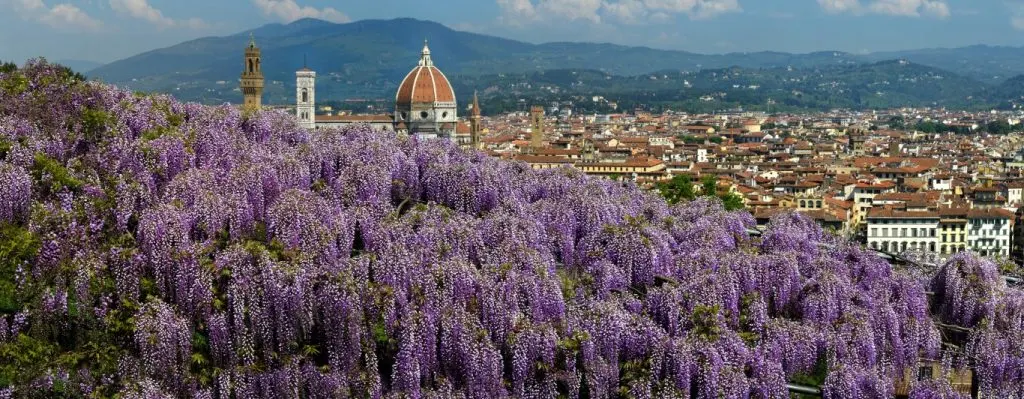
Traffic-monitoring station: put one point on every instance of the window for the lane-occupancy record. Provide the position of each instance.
(874, 232)
(251, 69)
(305, 96)
(903, 232)
(424, 114)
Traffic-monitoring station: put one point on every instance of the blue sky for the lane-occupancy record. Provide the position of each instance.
(107, 30)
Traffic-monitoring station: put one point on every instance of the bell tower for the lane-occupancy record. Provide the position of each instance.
(474, 124)
(305, 97)
(252, 76)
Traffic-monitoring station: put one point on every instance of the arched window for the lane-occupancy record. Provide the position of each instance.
(251, 68)
(803, 204)
(305, 95)
(257, 64)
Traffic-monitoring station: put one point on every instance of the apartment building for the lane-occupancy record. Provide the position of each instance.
(952, 230)
(988, 231)
(891, 230)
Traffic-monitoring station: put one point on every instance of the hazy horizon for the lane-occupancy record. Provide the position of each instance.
(106, 31)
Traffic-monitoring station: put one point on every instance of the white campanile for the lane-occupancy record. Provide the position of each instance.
(305, 97)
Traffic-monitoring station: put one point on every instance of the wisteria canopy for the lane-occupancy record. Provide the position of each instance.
(157, 249)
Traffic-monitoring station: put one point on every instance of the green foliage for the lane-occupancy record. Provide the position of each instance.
(732, 201)
(52, 175)
(680, 188)
(94, 124)
(709, 186)
(814, 378)
(17, 246)
(8, 67)
(15, 83)
(24, 359)
(691, 139)
(897, 122)
(705, 322)
(5, 148)
(573, 280)
(746, 319)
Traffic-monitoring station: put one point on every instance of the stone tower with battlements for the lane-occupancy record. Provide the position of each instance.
(252, 77)
(537, 126)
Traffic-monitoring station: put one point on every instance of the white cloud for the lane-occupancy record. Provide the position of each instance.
(28, 5)
(61, 16)
(839, 6)
(142, 10)
(518, 12)
(906, 8)
(1017, 15)
(911, 8)
(289, 11)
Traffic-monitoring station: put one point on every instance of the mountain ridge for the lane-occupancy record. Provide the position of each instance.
(368, 58)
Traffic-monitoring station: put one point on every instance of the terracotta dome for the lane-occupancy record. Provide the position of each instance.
(425, 84)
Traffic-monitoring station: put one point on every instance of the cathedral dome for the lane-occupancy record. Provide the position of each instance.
(425, 84)
(425, 102)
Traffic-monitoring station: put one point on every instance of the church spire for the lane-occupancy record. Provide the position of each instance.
(474, 124)
(425, 56)
(476, 105)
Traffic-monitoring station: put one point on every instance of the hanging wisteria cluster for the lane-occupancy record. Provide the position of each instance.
(163, 249)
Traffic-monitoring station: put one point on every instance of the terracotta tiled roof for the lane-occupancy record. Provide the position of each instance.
(425, 84)
(886, 213)
(996, 213)
(355, 118)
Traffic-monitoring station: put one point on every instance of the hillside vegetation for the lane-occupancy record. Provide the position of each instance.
(156, 249)
(368, 59)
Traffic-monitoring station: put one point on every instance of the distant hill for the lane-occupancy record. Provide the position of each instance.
(877, 85)
(990, 64)
(81, 66)
(367, 59)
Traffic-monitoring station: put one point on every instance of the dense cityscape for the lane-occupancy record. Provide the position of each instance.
(316, 209)
(948, 180)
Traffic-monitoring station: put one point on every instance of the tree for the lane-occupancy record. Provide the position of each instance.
(709, 186)
(897, 122)
(999, 127)
(732, 201)
(680, 188)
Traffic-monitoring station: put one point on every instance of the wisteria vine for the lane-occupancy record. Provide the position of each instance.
(165, 249)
